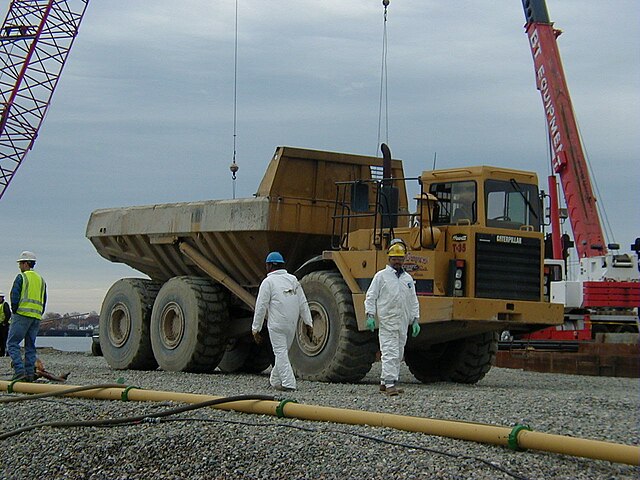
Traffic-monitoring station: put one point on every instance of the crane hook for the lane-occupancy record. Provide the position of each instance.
(234, 169)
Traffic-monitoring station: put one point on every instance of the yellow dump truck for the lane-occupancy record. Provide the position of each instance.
(475, 253)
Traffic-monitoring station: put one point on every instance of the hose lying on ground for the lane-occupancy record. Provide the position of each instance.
(519, 437)
(137, 418)
(59, 393)
(162, 417)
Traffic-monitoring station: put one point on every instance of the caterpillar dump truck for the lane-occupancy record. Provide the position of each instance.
(475, 253)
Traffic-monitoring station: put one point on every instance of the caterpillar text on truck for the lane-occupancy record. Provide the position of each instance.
(605, 296)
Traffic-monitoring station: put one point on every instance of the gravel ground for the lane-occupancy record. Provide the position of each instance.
(209, 443)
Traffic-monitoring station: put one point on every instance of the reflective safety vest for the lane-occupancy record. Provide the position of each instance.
(2, 319)
(32, 295)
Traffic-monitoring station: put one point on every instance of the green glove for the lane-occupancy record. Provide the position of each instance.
(415, 329)
(371, 322)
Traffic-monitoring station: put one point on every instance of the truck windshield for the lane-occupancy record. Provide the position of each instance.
(510, 204)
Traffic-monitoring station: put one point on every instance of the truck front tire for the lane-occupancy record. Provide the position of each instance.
(337, 351)
(124, 324)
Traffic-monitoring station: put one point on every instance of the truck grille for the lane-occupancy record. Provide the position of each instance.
(507, 267)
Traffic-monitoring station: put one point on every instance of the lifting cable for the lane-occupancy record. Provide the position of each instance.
(384, 100)
(234, 166)
(600, 207)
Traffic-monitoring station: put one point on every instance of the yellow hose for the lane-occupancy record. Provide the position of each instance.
(517, 438)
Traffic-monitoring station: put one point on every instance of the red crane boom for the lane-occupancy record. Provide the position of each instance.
(35, 39)
(567, 155)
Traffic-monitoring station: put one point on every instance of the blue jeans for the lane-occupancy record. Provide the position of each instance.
(23, 328)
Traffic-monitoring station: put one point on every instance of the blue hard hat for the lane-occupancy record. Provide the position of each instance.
(274, 257)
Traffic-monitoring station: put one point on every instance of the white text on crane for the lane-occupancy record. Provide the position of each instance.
(559, 157)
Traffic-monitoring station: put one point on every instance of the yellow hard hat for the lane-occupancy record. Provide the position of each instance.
(397, 250)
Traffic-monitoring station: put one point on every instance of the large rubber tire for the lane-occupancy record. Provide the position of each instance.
(260, 358)
(188, 324)
(426, 364)
(466, 360)
(235, 355)
(338, 352)
(124, 324)
(243, 355)
(96, 351)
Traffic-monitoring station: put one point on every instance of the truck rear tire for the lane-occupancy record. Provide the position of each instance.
(426, 364)
(124, 324)
(235, 354)
(188, 325)
(245, 356)
(96, 351)
(466, 360)
(260, 358)
(338, 352)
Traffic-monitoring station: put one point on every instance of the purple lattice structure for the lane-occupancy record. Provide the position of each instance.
(35, 39)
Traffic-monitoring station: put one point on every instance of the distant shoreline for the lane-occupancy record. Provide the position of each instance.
(65, 333)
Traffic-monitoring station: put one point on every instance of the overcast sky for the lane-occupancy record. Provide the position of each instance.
(143, 112)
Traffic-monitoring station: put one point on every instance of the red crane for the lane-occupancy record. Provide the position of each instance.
(607, 291)
(567, 155)
(35, 40)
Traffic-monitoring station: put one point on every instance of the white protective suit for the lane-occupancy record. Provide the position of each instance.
(282, 298)
(394, 301)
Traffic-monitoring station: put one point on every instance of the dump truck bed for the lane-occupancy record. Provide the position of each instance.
(291, 213)
(234, 234)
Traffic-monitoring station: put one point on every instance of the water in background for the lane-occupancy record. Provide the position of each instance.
(65, 344)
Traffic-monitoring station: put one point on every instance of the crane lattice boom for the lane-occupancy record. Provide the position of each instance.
(35, 39)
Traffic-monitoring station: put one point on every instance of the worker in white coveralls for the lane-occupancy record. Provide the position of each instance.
(281, 298)
(392, 297)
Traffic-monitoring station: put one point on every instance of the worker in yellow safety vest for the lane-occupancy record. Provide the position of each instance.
(28, 299)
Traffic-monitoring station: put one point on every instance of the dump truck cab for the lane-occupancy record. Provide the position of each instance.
(475, 252)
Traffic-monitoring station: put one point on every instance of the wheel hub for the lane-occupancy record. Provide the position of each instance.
(119, 325)
(313, 344)
(171, 325)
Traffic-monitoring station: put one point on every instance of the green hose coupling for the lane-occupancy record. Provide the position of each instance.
(124, 396)
(10, 386)
(280, 407)
(512, 442)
